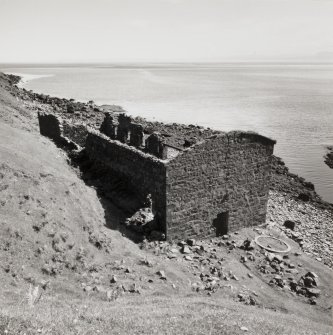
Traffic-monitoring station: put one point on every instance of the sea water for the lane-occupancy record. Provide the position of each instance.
(292, 103)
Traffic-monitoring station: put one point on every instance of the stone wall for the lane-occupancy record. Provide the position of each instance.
(109, 126)
(195, 190)
(51, 126)
(228, 173)
(76, 132)
(144, 173)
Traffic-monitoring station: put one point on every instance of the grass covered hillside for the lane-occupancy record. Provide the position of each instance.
(66, 268)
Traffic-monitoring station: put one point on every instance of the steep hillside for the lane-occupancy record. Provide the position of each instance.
(65, 267)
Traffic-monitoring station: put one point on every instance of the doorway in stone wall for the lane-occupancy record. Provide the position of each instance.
(221, 223)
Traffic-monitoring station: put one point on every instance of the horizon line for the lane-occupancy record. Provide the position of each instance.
(66, 63)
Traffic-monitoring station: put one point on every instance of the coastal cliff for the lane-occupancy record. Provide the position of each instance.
(64, 248)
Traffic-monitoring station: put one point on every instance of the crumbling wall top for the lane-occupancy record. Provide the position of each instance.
(94, 132)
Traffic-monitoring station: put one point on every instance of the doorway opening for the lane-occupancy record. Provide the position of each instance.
(221, 223)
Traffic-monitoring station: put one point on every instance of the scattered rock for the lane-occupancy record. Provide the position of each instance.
(312, 301)
(290, 224)
(247, 299)
(315, 234)
(113, 279)
(243, 259)
(313, 292)
(147, 263)
(270, 257)
(278, 258)
(234, 277)
(133, 288)
(248, 245)
(306, 286)
(162, 275)
(185, 250)
(191, 242)
(311, 274)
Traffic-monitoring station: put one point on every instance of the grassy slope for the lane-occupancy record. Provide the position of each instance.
(49, 219)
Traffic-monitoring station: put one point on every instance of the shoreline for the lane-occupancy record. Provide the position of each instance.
(25, 77)
(299, 149)
(282, 180)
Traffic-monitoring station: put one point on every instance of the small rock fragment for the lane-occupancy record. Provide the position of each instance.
(313, 292)
(162, 275)
(289, 224)
(234, 277)
(185, 250)
(191, 242)
(311, 274)
(278, 258)
(248, 245)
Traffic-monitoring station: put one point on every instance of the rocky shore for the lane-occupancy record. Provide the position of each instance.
(295, 186)
(304, 222)
(92, 115)
(329, 157)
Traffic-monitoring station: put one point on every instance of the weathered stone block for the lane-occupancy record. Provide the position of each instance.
(136, 135)
(109, 126)
(154, 145)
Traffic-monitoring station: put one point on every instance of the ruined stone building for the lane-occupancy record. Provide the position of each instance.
(202, 183)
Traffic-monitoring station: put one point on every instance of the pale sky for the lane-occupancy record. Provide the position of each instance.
(165, 30)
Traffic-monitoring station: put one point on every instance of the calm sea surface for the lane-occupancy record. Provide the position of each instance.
(290, 103)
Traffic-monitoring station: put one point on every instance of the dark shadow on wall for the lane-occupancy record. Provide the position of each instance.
(118, 201)
(221, 223)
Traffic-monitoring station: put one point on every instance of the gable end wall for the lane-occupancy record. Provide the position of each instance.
(227, 173)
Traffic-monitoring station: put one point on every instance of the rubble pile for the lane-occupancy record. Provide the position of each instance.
(312, 226)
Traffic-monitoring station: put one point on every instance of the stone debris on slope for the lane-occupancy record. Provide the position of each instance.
(211, 263)
(313, 228)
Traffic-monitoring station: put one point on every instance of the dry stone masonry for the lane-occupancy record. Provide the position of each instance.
(201, 182)
(219, 184)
